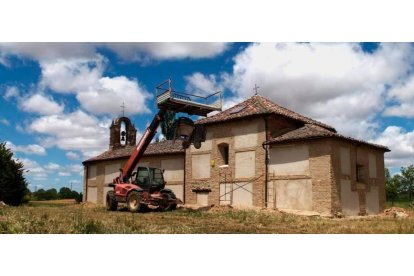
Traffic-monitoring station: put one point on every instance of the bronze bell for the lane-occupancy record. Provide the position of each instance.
(123, 135)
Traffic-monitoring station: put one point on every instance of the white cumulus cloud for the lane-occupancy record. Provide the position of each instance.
(202, 84)
(402, 95)
(129, 51)
(76, 131)
(11, 92)
(28, 149)
(40, 104)
(336, 83)
(4, 121)
(401, 144)
(95, 93)
(72, 155)
(167, 50)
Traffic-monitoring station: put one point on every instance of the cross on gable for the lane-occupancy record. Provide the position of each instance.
(123, 109)
(255, 89)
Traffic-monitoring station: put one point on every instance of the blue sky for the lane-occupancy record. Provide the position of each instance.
(58, 99)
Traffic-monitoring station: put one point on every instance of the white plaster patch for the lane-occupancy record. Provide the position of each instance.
(202, 198)
(200, 166)
(242, 194)
(295, 194)
(111, 172)
(92, 172)
(174, 169)
(245, 164)
(225, 193)
(349, 199)
(270, 195)
(92, 195)
(289, 160)
(372, 201)
(245, 135)
(372, 165)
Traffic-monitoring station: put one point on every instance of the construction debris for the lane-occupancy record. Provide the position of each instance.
(220, 208)
(300, 212)
(396, 212)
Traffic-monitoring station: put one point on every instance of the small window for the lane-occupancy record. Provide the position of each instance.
(224, 152)
(360, 173)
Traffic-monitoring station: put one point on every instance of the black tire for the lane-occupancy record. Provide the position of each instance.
(134, 201)
(111, 203)
(168, 206)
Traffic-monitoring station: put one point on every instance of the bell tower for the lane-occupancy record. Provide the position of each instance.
(122, 133)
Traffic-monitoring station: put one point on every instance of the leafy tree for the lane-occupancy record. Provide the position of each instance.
(78, 197)
(392, 186)
(167, 125)
(65, 193)
(407, 180)
(41, 194)
(13, 185)
(51, 194)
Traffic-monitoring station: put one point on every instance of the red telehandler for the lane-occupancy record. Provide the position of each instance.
(145, 187)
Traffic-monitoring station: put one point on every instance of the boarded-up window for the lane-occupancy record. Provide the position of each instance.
(174, 169)
(92, 172)
(372, 166)
(345, 161)
(245, 164)
(289, 160)
(200, 166)
(111, 171)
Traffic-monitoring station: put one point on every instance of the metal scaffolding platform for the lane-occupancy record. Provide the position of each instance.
(169, 99)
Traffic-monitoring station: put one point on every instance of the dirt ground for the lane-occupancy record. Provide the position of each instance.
(67, 217)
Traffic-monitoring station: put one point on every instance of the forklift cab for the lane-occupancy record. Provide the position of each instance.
(150, 179)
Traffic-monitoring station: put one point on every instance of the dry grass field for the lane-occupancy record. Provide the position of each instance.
(68, 217)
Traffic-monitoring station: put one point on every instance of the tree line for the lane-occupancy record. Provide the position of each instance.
(400, 186)
(13, 184)
(53, 194)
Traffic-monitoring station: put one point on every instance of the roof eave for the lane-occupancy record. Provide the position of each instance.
(127, 156)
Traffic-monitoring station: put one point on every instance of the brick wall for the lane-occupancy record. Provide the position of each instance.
(359, 154)
(227, 133)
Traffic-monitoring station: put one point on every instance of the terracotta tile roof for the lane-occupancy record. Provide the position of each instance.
(258, 105)
(164, 147)
(310, 131)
